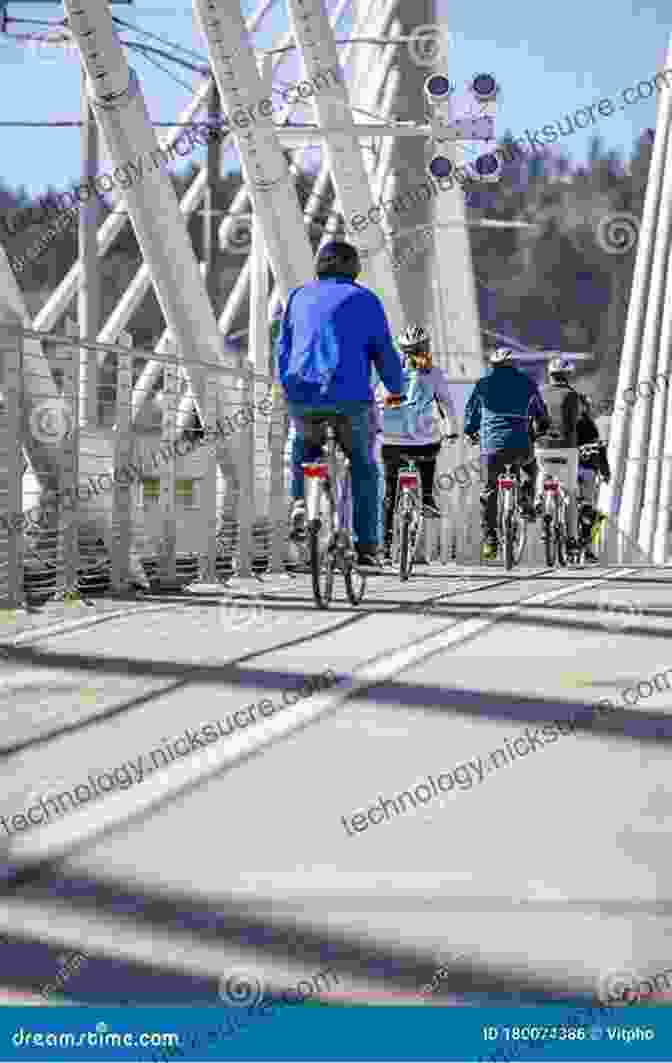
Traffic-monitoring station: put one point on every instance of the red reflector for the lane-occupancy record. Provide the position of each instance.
(316, 471)
(505, 483)
(551, 485)
(408, 479)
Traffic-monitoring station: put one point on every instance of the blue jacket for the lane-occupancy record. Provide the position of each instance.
(500, 408)
(332, 331)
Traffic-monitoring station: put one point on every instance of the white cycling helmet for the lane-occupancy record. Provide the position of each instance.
(560, 367)
(414, 343)
(413, 338)
(501, 355)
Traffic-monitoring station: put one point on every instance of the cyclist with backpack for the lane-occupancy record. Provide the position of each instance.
(333, 331)
(557, 446)
(500, 409)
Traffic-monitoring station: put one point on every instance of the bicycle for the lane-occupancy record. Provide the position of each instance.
(408, 521)
(555, 506)
(511, 523)
(328, 494)
(589, 519)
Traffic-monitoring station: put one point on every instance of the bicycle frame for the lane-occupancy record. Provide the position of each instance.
(321, 476)
(588, 450)
(508, 486)
(331, 477)
(512, 528)
(407, 515)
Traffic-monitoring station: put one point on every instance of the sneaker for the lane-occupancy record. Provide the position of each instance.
(430, 508)
(489, 550)
(297, 520)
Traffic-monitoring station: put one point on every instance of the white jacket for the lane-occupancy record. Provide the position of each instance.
(417, 422)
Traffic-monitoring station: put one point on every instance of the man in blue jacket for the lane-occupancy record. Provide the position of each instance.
(501, 408)
(333, 331)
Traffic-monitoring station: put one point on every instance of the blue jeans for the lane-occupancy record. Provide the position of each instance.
(365, 501)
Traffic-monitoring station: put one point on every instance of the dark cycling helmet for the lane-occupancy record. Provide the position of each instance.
(502, 356)
(414, 342)
(337, 258)
(560, 369)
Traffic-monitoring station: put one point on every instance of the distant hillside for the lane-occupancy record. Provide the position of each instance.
(550, 287)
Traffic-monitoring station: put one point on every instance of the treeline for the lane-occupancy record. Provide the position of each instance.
(552, 286)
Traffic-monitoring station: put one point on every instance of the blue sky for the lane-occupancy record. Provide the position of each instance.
(548, 60)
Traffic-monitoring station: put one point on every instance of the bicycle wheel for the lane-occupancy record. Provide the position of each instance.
(322, 563)
(509, 533)
(405, 561)
(561, 540)
(520, 538)
(355, 584)
(549, 541)
(355, 581)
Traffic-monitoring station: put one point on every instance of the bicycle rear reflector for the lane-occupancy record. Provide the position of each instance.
(506, 484)
(316, 470)
(551, 485)
(408, 479)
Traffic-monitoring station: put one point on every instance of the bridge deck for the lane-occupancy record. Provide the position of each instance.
(537, 870)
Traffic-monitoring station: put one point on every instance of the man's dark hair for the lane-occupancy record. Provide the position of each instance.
(338, 259)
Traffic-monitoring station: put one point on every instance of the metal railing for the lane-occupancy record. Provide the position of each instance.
(105, 500)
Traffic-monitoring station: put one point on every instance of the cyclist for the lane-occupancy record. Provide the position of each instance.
(333, 331)
(500, 409)
(557, 446)
(411, 426)
(587, 432)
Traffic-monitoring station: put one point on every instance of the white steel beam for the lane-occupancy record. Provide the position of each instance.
(311, 207)
(611, 495)
(38, 382)
(58, 303)
(117, 102)
(365, 83)
(264, 166)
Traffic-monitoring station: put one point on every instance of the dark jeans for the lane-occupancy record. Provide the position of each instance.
(352, 433)
(491, 467)
(392, 459)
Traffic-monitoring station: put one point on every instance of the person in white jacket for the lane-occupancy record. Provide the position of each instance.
(410, 427)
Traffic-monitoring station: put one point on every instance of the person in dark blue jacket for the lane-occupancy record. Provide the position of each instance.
(501, 408)
(333, 331)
